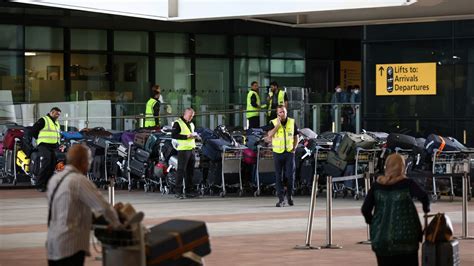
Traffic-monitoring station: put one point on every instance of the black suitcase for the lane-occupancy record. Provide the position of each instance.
(141, 155)
(306, 171)
(440, 254)
(167, 242)
(396, 140)
(138, 168)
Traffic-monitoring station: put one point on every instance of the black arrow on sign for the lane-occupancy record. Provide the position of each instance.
(381, 69)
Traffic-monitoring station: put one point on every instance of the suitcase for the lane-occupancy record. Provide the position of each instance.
(442, 144)
(206, 134)
(140, 139)
(152, 144)
(10, 136)
(306, 171)
(92, 133)
(396, 140)
(167, 150)
(71, 135)
(23, 161)
(141, 155)
(4, 127)
(1, 149)
(127, 137)
(331, 170)
(347, 149)
(334, 160)
(167, 242)
(138, 168)
(440, 254)
(307, 133)
(213, 148)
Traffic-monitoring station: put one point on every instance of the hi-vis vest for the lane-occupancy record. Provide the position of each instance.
(249, 104)
(281, 99)
(283, 139)
(185, 144)
(149, 119)
(50, 133)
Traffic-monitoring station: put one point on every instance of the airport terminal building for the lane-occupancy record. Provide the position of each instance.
(54, 54)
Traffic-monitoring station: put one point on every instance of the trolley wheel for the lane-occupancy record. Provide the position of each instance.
(434, 197)
(356, 197)
(14, 182)
(129, 188)
(334, 194)
(469, 197)
(344, 193)
(241, 193)
(145, 188)
(211, 192)
(256, 193)
(138, 184)
(222, 194)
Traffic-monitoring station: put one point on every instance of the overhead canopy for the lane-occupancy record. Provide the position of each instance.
(292, 13)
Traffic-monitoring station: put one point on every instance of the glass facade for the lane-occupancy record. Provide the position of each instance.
(44, 77)
(450, 111)
(177, 43)
(82, 39)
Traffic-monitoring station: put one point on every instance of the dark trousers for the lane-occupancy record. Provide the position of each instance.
(47, 164)
(254, 122)
(186, 162)
(74, 260)
(284, 169)
(405, 260)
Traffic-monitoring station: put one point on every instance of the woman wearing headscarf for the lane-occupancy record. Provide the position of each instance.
(395, 228)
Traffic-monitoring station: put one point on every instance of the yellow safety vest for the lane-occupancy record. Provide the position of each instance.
(249, 104)
(283, 139)
(149, 119)
(50, 133)
(281, 100)
(185, 144)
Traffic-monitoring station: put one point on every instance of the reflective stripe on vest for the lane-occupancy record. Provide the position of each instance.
(185, 144)
(50, 133)
(281, 100)
(249, 104)
(149, 119)
(283, 139)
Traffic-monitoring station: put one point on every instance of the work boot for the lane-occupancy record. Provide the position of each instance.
(280, 204)
(290, 201)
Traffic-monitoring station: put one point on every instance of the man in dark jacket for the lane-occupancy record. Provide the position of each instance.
(48, 135)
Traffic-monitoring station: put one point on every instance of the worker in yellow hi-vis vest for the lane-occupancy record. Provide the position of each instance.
(183, 133)
(48, 135)
(284, 135)
(276, 96)
(254, 105)
(152, 109)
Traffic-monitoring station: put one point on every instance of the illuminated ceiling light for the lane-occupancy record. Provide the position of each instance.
(30, 54)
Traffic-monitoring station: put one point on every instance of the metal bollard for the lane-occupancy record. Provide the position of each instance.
(337, 119)
(357, 118)
(329, 243)
(112, 191)
(312, 205)
(212, 121)
(141, 122)
(465, 192)
(316, 118)
(367, 188)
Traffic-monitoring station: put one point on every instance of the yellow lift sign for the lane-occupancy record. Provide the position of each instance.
(405, 79)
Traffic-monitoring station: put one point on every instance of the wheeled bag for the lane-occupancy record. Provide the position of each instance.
(335, 161)
(127, 137)
(138, 168)
(167, 242)
(213, 148)
(140, 139)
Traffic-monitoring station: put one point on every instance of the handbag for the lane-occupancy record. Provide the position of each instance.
(440, 229)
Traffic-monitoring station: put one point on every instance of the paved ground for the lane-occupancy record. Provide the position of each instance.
(244, 231)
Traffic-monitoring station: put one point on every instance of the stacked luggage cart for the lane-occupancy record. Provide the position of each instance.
(264, 166)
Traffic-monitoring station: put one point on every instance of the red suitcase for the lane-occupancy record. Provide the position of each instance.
(10, 136)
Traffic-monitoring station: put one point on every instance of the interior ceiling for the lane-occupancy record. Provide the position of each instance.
(421, 11)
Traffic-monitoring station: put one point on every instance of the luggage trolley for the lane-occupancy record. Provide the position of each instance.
(405, 153)
(265, 164)
(365, 161)
(231, 164)
(449, 164)
(122, 247)
(320, 159)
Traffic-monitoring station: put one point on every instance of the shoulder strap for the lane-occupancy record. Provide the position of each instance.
(52, 196)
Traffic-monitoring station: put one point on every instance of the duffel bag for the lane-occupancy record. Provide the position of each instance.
(349, 144)
(10, 136)
(442, 144)
(71, 135)
(206, 133)
(127, 137)
(402, 141)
